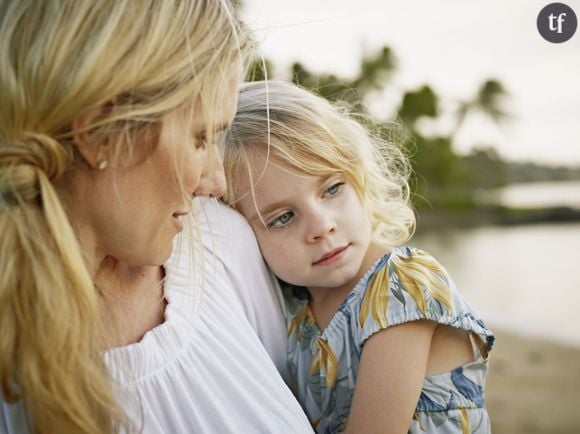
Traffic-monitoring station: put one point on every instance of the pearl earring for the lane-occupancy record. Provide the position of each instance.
(102, 165)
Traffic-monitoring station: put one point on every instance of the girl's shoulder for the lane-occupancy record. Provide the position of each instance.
(408, 284)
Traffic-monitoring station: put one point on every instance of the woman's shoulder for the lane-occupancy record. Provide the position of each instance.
(221, 224)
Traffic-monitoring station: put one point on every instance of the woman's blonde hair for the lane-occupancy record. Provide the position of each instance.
(292, 125)
(60, 59)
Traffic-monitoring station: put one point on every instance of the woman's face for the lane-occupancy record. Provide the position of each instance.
(133, 209)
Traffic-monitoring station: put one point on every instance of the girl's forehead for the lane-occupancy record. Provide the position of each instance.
(269, 174)
(301, 165)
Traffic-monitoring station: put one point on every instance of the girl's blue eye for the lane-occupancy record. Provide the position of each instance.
(334, 188)
(282, 220)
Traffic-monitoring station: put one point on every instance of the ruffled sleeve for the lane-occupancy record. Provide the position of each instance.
(408, 285)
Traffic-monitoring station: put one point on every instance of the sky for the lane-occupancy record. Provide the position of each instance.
(452, 45)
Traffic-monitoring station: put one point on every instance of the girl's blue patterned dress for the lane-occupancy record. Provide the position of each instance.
(404, 285)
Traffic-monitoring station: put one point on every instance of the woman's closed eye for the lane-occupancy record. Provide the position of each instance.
(281, 221)
(201, 141)
(334, 189)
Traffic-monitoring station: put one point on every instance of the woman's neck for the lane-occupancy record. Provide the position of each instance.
(132, 301)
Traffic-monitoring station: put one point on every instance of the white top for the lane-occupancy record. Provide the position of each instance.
(205, 370)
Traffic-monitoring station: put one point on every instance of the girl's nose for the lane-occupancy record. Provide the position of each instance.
(320, 226)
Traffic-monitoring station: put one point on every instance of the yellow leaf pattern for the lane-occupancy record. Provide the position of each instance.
(325, 359)
(464, 421)
(418, 271)
(300, 320)
(481, 346)
(376, 299)
(315, 365)
(416, 419)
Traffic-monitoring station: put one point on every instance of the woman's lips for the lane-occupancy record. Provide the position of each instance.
(176, 220)
(332, 256)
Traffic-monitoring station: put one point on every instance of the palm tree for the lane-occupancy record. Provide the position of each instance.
(418, 103)
(488, 100)
(375, 71)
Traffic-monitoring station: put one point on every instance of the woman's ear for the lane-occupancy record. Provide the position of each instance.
(90, 145)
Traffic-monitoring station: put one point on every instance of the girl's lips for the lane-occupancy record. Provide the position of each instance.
(332, 256)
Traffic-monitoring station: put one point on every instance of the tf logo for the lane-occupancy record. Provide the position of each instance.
(557, 23)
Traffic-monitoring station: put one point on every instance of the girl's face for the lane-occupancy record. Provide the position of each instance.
(132, 210)
(315, 231)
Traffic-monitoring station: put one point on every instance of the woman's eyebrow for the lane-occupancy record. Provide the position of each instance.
(220, 128)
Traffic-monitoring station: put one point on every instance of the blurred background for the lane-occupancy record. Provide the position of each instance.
(489, 114)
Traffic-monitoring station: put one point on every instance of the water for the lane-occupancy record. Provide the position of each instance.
(541, 194)
(524, 279)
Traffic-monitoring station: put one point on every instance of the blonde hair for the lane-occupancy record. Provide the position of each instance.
(60, 59)
(305, 131)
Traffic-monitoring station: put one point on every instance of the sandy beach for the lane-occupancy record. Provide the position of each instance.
(533, 386)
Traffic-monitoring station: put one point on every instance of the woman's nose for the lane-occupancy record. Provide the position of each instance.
(212, 180)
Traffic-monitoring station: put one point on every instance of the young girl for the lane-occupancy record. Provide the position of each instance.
(379, 338)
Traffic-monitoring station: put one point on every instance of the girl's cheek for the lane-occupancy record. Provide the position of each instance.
(265, 244)
(273, 248)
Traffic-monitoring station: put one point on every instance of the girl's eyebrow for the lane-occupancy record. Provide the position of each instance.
(271, 207)
(259, 213)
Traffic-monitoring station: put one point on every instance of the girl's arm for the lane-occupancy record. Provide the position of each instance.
(390, 377)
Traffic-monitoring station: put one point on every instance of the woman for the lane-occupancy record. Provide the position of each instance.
(108, 116)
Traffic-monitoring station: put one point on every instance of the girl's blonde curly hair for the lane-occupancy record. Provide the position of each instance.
(316, 138)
